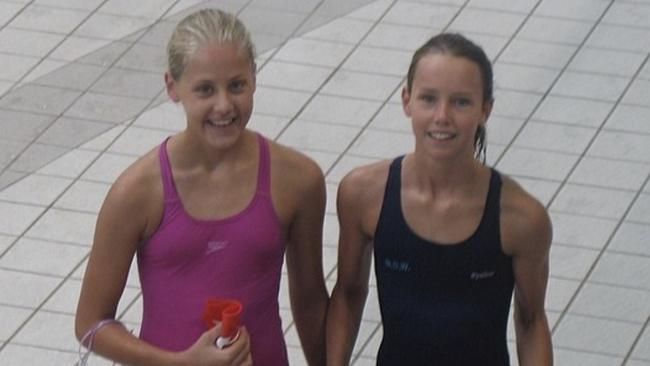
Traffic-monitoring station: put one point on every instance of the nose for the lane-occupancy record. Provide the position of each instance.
(441, 112)
(223, 104)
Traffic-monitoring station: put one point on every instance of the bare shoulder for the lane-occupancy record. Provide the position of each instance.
(293, 169)
(137, 193)
(360, 196)
(525, 223)
(366, 183)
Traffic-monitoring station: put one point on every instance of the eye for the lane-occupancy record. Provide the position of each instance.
(462, 102)
(237, 86)
(428, 98)
(204, 89)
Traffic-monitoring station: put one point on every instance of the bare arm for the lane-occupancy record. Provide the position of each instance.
(123, 221)
(531, 241)
(308, 294)
(351, 289)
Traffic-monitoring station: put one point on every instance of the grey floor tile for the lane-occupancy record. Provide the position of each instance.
(270, 21)
(571, 262)
(536, 163)
(268, 126)
(319, 136)
(83, 196)
(15, 67)
(566, 357)
(486, 21)
(11, 318)
(64, 226)
(576, 111)
(598, 202)
(36, 156)
(629, 118)
(137, 141)
(35, 256)
(50, 330)
(35, 190)
(345, 165)
(72, 132)
(577, 9)
(610, 173)
(391, 117)
(642, 349)
(596, 335)
(640, 211)
(146, 58)
(20, 355)
(621, 145)
(555, 137)
(129, 83)
(605, 301)
(342, 30)
(107, 55)
(420, 14)
(345, 111)
(552, 29)
(584, 231)
(72, 76)
(542, 190)
(278, 102)
(401, 37)
(39, 99)
(382, 144)
(149, 9)
(313, 52)
(638, 93)
(106, 108)
(593, 86)
(110, 27)
(618, 37)
(512, 103)
(8, 177)
(378, 60)
(635, 14)
(535, 53)
(623, 270)
(49, 19)
(361, 85)
(303, 6)
(631, 238)
(609, 62)
(279, 74)
(13, 285)
(559, 293)
(22, 126)
(69, 165)
(516, 6)
(28, 42)
(8, 11)
(524, 78)
(108, 167)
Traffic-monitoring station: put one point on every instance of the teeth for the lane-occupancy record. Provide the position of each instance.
(221, 123)
(440, 135)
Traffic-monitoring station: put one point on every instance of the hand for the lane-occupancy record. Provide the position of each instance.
(204, 352)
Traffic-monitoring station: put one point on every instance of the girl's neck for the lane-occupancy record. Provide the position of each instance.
(193, 154)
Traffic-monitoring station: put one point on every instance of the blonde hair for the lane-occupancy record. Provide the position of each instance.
(203, 27)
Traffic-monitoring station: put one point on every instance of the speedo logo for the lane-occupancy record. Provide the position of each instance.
(397, 265)
(481, 275)
(214, 246)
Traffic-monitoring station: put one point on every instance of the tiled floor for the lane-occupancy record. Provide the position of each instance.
(81, 86)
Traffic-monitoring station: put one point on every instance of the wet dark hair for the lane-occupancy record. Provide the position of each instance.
(457, 45)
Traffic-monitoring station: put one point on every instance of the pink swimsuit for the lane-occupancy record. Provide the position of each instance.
(188, 260)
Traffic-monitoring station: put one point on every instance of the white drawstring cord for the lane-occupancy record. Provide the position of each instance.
(88, 339)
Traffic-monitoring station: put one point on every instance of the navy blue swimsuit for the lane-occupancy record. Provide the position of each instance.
(441, 304)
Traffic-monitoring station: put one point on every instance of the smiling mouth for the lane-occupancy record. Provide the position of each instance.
(221, 122)
(441, 136)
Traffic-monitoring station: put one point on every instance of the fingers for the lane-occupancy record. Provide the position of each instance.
(241, 349)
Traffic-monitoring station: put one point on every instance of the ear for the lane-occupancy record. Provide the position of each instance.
(170, 85)
(487, 109)
(406, 98)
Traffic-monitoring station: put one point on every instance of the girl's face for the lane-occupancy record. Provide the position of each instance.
(216, 90)
(445, 105)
